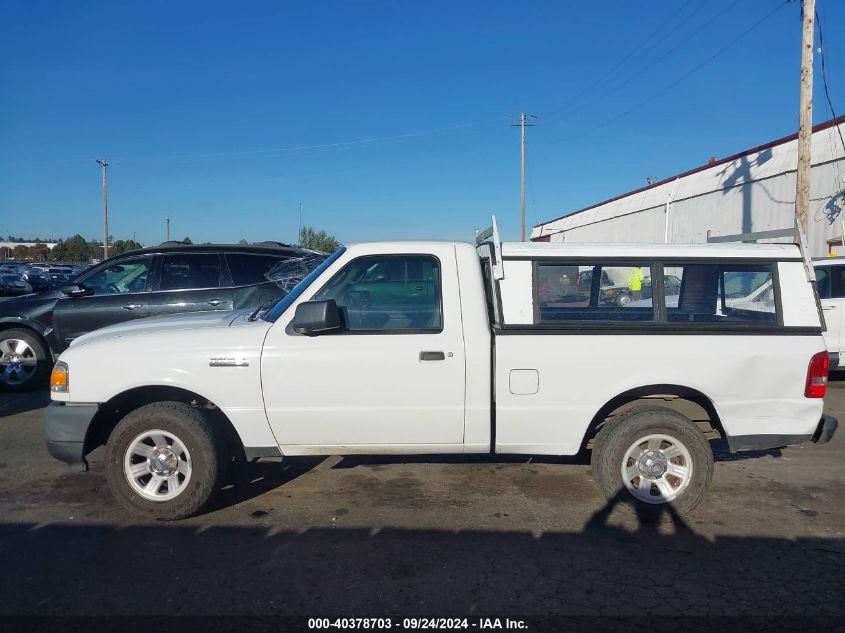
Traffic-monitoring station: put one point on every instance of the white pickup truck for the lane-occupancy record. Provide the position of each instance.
(440, 347)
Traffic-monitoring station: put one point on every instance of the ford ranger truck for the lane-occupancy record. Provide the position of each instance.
(439, 347)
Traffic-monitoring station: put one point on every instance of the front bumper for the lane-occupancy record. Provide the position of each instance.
(66, 427)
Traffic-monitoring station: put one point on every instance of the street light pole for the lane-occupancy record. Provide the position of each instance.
(104, 165)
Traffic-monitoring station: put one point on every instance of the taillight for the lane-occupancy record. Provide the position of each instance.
(817, 376)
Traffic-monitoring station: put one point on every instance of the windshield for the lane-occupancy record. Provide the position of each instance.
(289, 272)
(284, 303)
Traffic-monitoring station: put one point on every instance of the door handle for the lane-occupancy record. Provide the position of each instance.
(828, 307)
(217, 302)
(432, 356)
(132, 306)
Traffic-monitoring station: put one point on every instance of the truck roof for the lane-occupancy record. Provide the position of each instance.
(638, 250)
(593, 250)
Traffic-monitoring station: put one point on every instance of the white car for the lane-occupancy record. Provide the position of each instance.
(830, 283)
(441, 347)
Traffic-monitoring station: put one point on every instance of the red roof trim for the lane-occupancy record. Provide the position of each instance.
(817, 128)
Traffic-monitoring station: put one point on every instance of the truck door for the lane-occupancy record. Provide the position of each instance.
(393, 377)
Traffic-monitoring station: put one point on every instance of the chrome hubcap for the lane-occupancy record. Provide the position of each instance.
(652, 464)
(17, 361)
(163, 462)
(657, 468)
(157, 465)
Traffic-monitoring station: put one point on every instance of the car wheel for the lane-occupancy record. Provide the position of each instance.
(649, 458)
(623, 299)
(24, 360)
(164, 460)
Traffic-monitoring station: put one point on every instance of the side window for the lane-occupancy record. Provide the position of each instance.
(388, 293)
(181, 272)
(120, 278)
(823, 282)
(830, 282)
(713, 293)
(594, 292)
(251, 269)
(837, 285)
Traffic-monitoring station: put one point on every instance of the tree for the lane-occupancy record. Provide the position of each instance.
(243, 242)
(186, 240)
(39, 251)
(20, 252)
(322, 241)
(122, 246)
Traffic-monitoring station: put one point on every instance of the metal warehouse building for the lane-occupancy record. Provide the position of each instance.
(748, 192)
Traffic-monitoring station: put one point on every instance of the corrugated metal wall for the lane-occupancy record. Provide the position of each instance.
(752, 192)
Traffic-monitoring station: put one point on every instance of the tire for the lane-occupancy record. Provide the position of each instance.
(25, 360)
(675, 465)
(189, 467)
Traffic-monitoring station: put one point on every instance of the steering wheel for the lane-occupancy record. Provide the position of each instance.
(355, 305)
(112, 288)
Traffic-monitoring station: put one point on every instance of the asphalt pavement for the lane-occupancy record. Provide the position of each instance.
(423, 536)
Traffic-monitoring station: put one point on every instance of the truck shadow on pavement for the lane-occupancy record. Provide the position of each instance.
(250, 480)
(646, 567)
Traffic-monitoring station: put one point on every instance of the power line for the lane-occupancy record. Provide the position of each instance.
(683, 77)
(825, 76)
(621, 63)
(297, 148)
(642, 71)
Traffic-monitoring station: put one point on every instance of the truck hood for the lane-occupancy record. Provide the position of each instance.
(186, 321)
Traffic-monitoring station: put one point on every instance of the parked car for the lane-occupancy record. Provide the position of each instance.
(623, 295)
(434, 347)
(152, 281)
(830, 283)
(12, 285)
(585, 280)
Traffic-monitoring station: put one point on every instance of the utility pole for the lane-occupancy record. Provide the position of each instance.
(299, 232)
(168, 231)
(104, 165)
(805, 117)
(523, 123)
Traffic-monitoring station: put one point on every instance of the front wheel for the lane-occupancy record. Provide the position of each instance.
(624, 299)
(648, 458)
(164, 460)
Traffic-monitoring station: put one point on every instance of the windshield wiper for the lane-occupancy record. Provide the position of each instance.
(263, 306)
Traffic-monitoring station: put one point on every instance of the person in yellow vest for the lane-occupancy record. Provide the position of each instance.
(635, 283)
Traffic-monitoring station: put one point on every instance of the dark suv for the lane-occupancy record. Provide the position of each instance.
(161, 280)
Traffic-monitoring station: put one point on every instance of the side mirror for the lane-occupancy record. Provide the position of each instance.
(317, 317)
(76, 290)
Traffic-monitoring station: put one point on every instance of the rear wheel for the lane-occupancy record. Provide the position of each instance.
(649, 458)
(24, 360)
(164, 460)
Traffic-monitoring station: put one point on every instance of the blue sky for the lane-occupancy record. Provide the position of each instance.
(388, 120)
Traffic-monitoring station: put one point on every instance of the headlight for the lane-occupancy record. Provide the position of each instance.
(60, 378)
